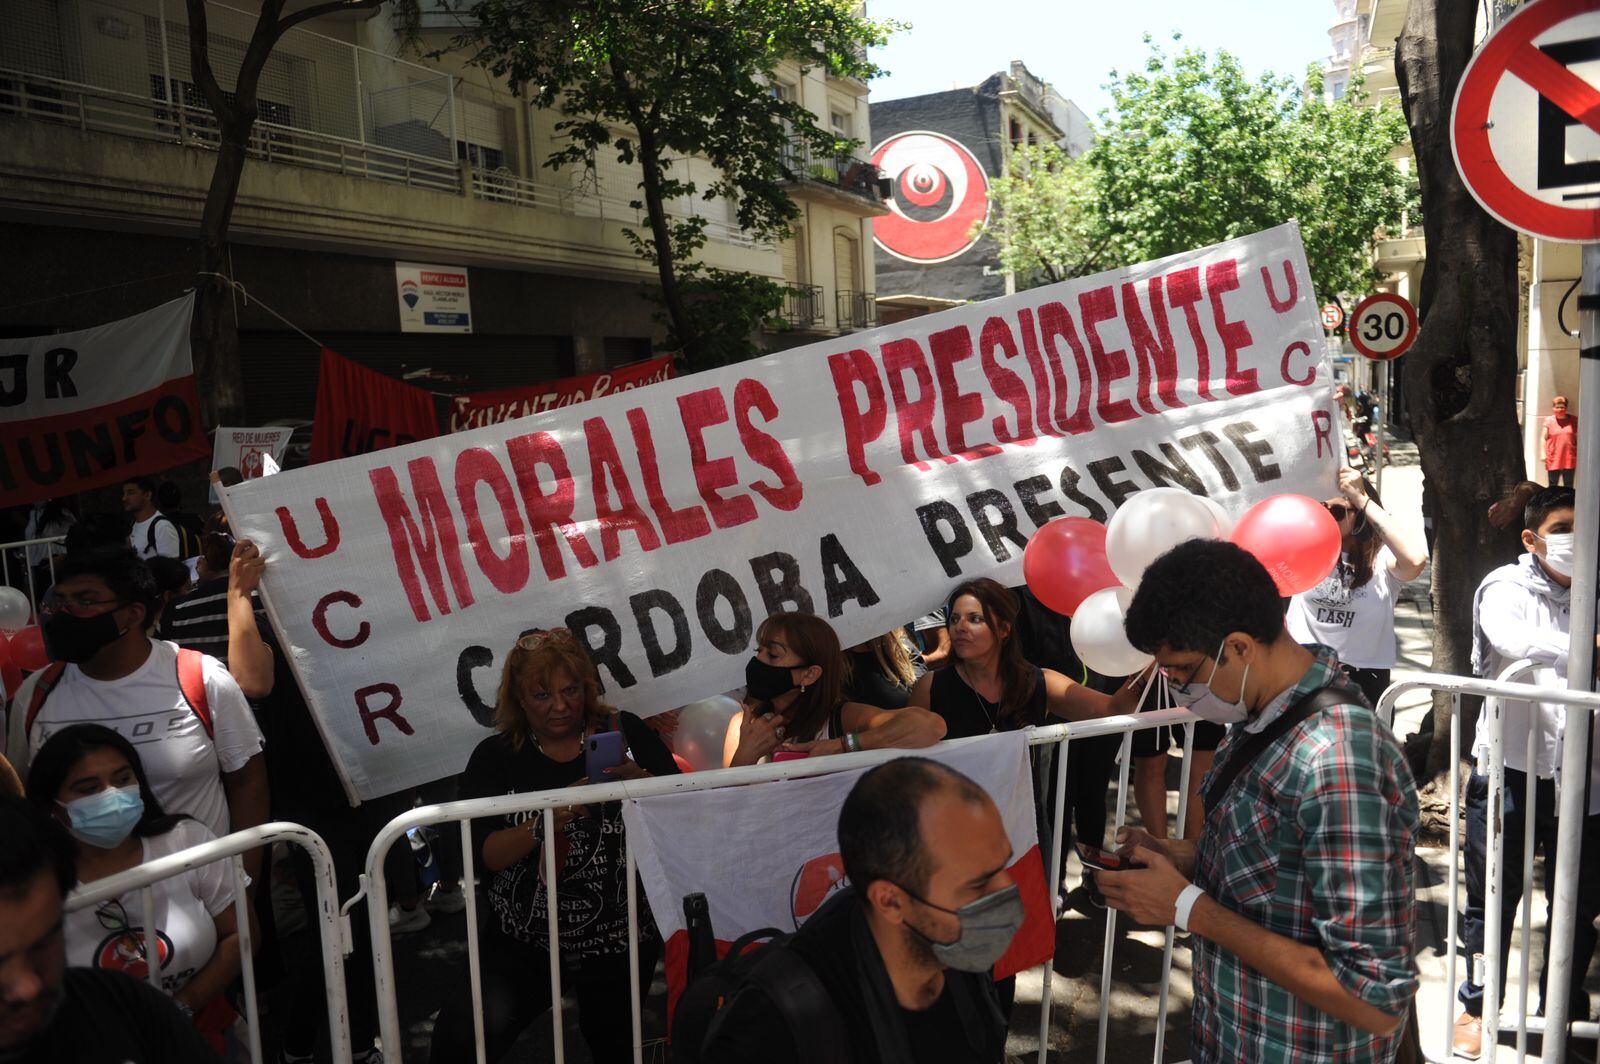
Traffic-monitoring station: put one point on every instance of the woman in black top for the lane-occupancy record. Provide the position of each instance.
(549, 703)
(991, 687)
(881, 671)
(794, 701)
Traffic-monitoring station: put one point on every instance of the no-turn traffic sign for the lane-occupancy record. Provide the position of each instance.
(1383, 326)
(1525, 130)
(1332, 316)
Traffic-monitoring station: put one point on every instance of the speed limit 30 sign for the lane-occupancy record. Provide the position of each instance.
(1383, 326)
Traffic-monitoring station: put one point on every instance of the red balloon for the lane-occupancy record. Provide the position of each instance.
(1296, 538)
(27, 649)
(1065, 562)
(683, 763)
(10, 673)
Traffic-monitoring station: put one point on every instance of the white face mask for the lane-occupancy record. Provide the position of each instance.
(1204, 703)
(1558, 552)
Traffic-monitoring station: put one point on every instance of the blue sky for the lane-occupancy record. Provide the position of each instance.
(1074, 44)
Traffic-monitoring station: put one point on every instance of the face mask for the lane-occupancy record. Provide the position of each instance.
(765, 681)
(987, 927)
(1205, 704)
(105, 819)
(1558, 552)
(77, 639)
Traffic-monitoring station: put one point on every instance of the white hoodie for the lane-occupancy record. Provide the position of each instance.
(1520, 613)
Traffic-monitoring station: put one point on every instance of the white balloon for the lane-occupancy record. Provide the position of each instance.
(1224, 519)
(14, 610)
(1154, 521)
(702, 727)
(1098, 637)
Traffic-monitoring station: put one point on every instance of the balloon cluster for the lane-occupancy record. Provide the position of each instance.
(1089, 572)
(21, 644)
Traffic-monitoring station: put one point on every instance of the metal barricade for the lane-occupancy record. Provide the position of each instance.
(376, 892)
(27, 568)
(1496, 693)
(231, 848)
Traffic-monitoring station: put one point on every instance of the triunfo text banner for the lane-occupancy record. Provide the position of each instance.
(859, 478)
(80, 410)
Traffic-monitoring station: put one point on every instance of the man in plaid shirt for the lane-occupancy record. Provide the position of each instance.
(1301, 906)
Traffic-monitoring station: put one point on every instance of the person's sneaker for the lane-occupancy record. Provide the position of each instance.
(443, 901)
(371, 1056)
(1468, 1039)
(404, 921)
(286, 1057)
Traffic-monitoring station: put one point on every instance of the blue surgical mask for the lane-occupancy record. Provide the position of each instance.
(106, 818)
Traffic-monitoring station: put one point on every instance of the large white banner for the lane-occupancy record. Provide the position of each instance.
(860, 478)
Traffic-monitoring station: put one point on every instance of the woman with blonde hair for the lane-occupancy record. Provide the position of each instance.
(547, 708)
(881, 671)
(794, 700)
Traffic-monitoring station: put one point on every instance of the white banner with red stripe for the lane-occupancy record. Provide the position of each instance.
(767, 855)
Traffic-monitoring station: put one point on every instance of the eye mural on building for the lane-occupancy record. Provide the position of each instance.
(940, 196)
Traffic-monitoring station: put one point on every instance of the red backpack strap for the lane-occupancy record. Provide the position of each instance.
(41, 690)
(192, 681)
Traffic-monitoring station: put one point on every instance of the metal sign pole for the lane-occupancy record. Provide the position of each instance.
(1382, 369)
(1580, 663)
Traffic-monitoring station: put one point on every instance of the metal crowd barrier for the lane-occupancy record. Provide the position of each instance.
(1496, 693)
(231, 848)
(24, 544)
(376, 890)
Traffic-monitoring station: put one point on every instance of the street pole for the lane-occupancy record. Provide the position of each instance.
(1382, 369)
(1580, 663)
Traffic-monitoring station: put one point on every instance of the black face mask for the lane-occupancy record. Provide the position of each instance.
(77, 639)
(766, 682)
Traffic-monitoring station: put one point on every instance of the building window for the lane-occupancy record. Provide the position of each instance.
(1014, 132)
(843, 124)
(785, 91)
(481, 158)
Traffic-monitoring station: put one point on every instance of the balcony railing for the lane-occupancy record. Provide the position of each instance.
(99, 110)
(802, 307)
(856, 310)
(844, 172)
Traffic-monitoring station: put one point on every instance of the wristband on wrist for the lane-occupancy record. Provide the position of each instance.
(852, 742)
(1185, 906)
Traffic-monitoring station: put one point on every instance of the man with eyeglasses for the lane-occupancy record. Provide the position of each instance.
(195, 733)
(1299, 891)
(50, 1013)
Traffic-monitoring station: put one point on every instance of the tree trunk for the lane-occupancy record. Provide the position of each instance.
(1461, 376)
(215, 335)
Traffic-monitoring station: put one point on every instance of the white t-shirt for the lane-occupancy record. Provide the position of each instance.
(1357, 622)
(111, 934)
(147, 707)
(168, 545)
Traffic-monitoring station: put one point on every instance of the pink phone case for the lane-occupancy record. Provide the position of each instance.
(789, 755)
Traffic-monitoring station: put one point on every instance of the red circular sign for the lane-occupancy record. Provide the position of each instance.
(939, 195)
(1383, 326)
(1499, 154)
(1332, 315)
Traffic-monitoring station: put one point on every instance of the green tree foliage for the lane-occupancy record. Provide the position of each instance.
(659, 81)
(1192, 152)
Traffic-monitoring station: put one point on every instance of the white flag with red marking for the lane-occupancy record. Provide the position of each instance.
(767, 854)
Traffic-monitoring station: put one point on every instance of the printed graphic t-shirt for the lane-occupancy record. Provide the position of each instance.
(147, 707)
(1357, 622)
(110, 936)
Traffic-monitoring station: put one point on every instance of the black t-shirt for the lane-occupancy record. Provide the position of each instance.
(936, 1033)
(300, 773)
(869, 686)
(967, 713)
(108, 1017)
(592, 872)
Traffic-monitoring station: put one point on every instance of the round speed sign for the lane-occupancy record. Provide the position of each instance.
(1383, 326)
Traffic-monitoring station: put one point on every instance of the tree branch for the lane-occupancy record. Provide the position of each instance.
(332, 7)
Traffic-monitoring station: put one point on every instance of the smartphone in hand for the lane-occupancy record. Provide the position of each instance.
(1104, 860)
(603, 750)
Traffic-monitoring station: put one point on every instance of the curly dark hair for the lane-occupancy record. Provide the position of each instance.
(1544, 502)
(1195, 594)
(122, 571)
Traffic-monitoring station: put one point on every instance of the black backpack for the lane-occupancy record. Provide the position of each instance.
(788, 982)
(188, 538)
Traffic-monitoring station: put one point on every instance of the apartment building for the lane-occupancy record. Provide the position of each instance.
(938, 152)
(367, 161)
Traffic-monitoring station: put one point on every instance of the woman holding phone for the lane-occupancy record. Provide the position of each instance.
(546, 714)
(794, 702)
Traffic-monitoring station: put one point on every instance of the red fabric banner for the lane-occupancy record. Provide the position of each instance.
(84, 409)
(490, 408)
(361, 410)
